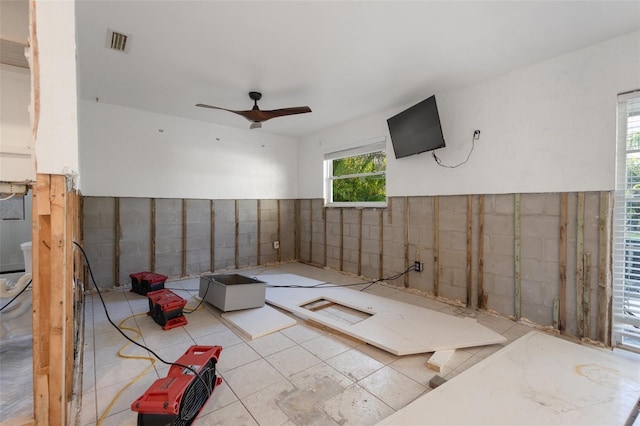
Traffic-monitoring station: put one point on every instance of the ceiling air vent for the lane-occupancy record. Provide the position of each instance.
(117, 41)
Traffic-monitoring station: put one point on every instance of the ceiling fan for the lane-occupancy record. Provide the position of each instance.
(257, 116)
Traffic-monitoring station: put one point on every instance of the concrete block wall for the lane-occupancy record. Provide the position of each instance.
(180, 237)
(135, 236)
(475, 254)
(99, 238)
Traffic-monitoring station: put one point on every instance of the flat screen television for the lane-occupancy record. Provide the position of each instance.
(416, 129)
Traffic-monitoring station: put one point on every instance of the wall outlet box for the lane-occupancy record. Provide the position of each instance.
(417, 266)
(276, 245)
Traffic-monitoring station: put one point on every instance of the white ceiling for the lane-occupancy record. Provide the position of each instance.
(344, 59)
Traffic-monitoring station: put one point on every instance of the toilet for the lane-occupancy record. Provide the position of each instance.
(16, 318)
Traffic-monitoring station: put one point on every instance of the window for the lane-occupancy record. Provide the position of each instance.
(626, 247)
(356, 177)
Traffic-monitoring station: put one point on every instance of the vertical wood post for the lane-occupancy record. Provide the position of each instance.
(586, 295)
(517, 278)
(310, 230)
(604, 269)
(237, 234)
(482, 301)
(360, 242)
(152, 237)
(381, 245)
(116, 242)
(52, 294)
(469, 250)
(436, 246)
(184, 238)
(406, 240)
(278, 257)
(562, 303)
(341, 239)
(580, 265)
(259, 236)
(324, 232)
(212, 237)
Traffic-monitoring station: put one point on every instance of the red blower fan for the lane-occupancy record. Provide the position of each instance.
(177, 399)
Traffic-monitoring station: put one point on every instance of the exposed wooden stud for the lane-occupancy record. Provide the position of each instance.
(562, 301)
(604, 269)
(41, 235)
(556, 311)
(71, 220)
(52, 291)
(580, 265)
(406, 240)
(381, 245)
(324, 231)
(278, 257)
(310, 231)
(469, 250)
(116, 242)
(237, 234)
(390, 210)
(436, 246)
(586, 295)
(360, 242)
(516, 239)
(259, 215)
(212, 237)
(481, 299)
(296, 229)
(152, 237)
(184, 238)
(341, 239)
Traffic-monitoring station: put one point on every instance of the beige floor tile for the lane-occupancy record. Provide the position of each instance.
(120, 372)
(354, 364)
(414, 367)
(309, 378)
(293, 360)
(88, 409)
(263, 405)
(224, 337)
(301, 333)
(271, 343)
(123, 418)
(235, 356)
(129, 395)
(356, 406)
(302, 406)
(393, 388)
(221, 397)
(251, 377)
(174, 336)
(233, 414)
(326, 346)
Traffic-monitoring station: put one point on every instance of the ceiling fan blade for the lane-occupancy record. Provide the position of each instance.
(260, 115)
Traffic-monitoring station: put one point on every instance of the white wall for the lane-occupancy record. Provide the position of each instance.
(123, 153)
(57, 136)
(545, 128)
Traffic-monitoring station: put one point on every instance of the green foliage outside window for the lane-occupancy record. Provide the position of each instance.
(368, 188)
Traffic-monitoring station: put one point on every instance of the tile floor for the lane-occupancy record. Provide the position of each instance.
(302, 375)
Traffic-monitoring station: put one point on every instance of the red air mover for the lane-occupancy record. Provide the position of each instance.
(165, 307)
(178, 398)
(144, 282)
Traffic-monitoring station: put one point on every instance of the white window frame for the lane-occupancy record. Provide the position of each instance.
(375, 145)
(624, 269)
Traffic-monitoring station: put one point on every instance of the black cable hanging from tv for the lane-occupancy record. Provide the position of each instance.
(474, 138)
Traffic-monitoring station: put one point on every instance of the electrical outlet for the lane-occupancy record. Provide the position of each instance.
(476, 135)
(417, 266)
(276, 245)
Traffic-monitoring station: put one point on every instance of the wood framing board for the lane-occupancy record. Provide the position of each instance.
(439, 360)
(396, 327)
(260, 321)
(538, 379)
